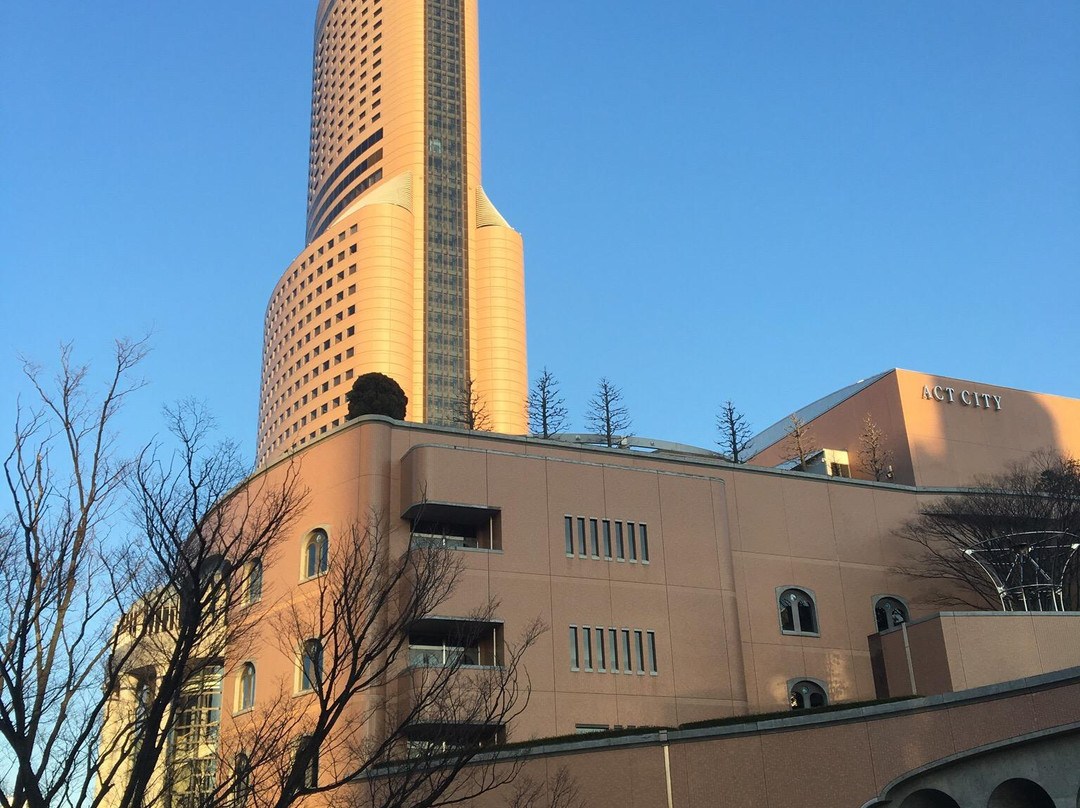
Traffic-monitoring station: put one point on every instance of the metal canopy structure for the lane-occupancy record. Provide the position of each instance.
(1027, 568)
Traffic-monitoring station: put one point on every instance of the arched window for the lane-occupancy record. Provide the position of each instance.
(805, 693)
(254, 581)
(247, 686)
(311, 671)
(889, 612)
(316, 553)
(307, 748)
(144, 694)
(241, 780)
(798, 612)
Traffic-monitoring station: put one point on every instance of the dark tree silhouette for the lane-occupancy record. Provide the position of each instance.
(376, 394)
(735, 432)
(607, 416)
(547, 412)
(472, 409)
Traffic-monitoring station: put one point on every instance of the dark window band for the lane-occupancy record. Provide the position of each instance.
(350, 158)
(349, 197)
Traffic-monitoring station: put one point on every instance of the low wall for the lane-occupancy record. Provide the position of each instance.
(848, 757)
(953, 651)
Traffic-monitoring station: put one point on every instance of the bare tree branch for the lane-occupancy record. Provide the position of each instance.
(735, 432)
(607, 415)
(547, 411)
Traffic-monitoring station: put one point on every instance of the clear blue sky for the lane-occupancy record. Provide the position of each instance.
(757, 200)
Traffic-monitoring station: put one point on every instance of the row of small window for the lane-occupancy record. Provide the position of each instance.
(599, 649)
(619, 545)
(798, 611)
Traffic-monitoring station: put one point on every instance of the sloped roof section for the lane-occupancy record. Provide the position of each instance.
(775, 433)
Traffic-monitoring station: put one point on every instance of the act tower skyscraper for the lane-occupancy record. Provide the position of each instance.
(409, 269)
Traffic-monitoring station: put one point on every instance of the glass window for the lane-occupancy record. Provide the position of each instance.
(601, 656)
(607, 539)
(798, 613)
(628, 666)
(586, 642)
(312, 665)
(317, 555)
(889, 612)
(241, 780)
(652, 653)
(639, 643)
(644, 543)
(307, 748)
(613, 636)
(247, 686)
(631, 540)
(574, 649)
(620, 553)
(569, 535)
(581, 536)
(806, 694)
(594, 538)
(254, 581)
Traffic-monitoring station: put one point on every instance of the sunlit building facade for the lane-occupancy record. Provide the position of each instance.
(409, 269)
(678, 588)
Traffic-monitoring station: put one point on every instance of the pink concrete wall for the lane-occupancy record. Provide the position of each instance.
(955, 651)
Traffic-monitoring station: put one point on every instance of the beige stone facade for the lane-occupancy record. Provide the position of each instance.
(942, 431)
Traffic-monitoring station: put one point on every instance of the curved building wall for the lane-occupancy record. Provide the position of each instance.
(344, 308)
(498, 325)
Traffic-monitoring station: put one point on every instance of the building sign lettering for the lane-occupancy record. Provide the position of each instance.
(969, 398)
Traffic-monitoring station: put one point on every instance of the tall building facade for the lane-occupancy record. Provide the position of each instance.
(409, 269)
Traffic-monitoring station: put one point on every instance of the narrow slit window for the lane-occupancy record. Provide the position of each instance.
(631, 540)
(639, 642)
(652, 653)
(594, 538)
(613, 636)
(581, 536)
(569, 536)
(644, 543)
(628, 665)
(620, 552)
(573, 649)
(601, 656)
(586, 642)
(607, 539)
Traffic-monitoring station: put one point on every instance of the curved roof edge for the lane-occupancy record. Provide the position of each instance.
(775, 433)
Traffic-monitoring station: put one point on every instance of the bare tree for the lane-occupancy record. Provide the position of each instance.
(800, 444)
(87, 602)
(1033, 502)
(735, 432)
(875, 455)
(472, 409)
(378, 721)
(118, 634)
(547, 411)
(607, 416)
